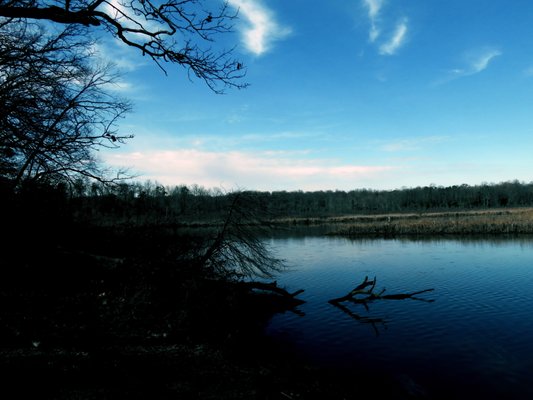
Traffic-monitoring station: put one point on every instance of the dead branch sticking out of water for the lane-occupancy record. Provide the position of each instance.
(369, 294)
(366, 290)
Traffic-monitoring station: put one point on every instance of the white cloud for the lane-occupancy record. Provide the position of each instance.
(481, 61)
(262, 28)
(254, 171)
(396, 40)
(373, 33)
(122, 61)
(374, 10)
(121, 12)
(476, 61)
(120, 86)
(373, 7)
(116, 53)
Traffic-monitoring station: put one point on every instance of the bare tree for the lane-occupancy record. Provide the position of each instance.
(57, 106)
(238, 249)
(179, 32)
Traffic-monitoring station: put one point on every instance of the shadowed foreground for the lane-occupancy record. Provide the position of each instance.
(180, 371)
(92, 312)
(111, 311)
(63, 338)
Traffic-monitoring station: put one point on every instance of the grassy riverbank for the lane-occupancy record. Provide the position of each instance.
(479, 222)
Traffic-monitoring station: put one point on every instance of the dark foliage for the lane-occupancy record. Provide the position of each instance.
(195, 206)
(68, 280)
(94, 309)
(77, 297)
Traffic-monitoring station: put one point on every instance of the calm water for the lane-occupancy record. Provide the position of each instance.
(475, 340)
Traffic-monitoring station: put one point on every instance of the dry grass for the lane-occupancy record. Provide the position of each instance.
(496, 221)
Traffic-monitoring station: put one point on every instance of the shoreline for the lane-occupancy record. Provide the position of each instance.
(113, 303)
(508, 221)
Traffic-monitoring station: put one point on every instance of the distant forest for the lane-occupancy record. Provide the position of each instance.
(128, 201)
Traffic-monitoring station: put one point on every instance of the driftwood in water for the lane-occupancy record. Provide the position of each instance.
(369, 294)
(366, 292)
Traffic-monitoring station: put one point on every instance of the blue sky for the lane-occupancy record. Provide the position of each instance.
(344, 94)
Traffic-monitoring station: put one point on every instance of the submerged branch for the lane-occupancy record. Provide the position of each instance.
(370, 295)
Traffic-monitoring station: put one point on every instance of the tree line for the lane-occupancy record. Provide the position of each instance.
(149, 200)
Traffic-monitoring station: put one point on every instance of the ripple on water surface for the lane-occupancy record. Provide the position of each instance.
(476, 335)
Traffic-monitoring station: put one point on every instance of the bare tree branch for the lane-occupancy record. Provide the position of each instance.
(173, 32)
(369, 295)
(238, 247)
(56, 106)
(366, 296)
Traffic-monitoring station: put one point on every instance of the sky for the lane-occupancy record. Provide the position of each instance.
(343, 95)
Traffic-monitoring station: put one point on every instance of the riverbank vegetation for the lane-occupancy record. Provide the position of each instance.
(148, 288)
(91, 309)
(504, 208)
(153, 200)
(511, 221)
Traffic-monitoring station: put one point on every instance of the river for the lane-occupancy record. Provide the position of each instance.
(471, 337)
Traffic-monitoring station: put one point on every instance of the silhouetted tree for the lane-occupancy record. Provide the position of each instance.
(179, 32)
(238, 248)
(57, 106)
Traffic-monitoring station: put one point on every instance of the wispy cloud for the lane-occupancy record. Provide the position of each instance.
(479, 62)
(122, 60)
(373, 8)
(120, 86)
(116, 53)
(262, 29)
(255, 171)
(476, 61)
(390, 46)
(227, 142)
(529, 71)
(397, 39)
(412, 144)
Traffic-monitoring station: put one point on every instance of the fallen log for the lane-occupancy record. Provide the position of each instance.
(370, 295)
(281, 295)
(366, 290)
(359, 289)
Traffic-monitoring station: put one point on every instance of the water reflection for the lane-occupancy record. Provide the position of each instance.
(472, 336)
(363, 294)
